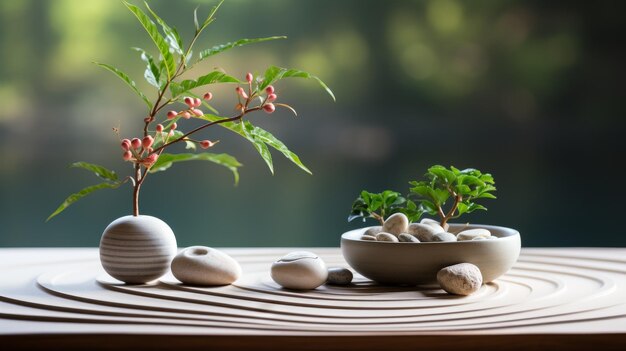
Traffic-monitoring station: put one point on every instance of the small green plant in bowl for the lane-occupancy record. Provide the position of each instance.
(446, 192)
(405, 248)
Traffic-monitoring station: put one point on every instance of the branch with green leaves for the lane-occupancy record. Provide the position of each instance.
(146, 153)
(379, 206)
(446, 193)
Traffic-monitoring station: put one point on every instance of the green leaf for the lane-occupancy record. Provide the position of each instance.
(269, 139)
(157, 38)
(98, 170)
(462, 208)
(440, 195)
(474, 206)
(84, 192)
(238, 128)
(210, 18)
(486, 196)
(273, 73)
(152, 73)
(428, 207)
(260, 146)
(421, 189)
(223, 47)
(131, 84)
(171, 34)
(470, 180)
(446, 176)
(165, 161)
(211, 78)
(195, 19)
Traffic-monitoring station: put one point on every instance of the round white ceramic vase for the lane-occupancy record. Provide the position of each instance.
(137, 249)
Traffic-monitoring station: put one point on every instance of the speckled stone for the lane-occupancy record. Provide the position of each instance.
(386, 237)
(460, 279)
(396, 224)
(423, 232)
(436, 225)
(407, 238)
(471, 234)
(299, 270)
(444, 237)
(339, 276)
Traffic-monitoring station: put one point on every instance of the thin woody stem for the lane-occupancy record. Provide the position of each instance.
(378, 217)
(457, 200)
(136, 188)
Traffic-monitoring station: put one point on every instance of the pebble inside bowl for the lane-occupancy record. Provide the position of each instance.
(399, 263)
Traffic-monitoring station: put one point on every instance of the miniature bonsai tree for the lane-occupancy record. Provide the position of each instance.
(447, 193)
(146, 152)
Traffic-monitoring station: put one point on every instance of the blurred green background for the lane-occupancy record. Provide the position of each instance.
(532, 91)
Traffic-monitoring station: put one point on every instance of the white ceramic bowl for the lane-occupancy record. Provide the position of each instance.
(418, 263)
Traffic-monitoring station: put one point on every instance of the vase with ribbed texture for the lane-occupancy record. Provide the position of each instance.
(137, 249)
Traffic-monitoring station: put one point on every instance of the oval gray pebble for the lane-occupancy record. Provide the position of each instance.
(396, 223)
(368, 237)
(407, 238)
(373, 231)
(423, 232)
(444, 237)
(339, 276)
(386, 237)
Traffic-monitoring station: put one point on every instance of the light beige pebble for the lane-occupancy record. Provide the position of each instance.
(435, 224)
(201, 265)
(460, 279)
(407, 238)
(368, 237)
(396, 224)
(444, 237)
(478, 238)
(470, 234)
(373, 230)
(300, 270)
(423, 232)
(386, 237)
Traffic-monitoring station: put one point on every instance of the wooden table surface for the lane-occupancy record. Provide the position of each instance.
(558, 298)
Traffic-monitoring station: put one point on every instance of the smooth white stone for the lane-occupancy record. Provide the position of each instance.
(373, 231)
(299, 270)
(460, 279)
(396, 224)
(407, 238)
(386, 237)
(339, 276)
(137, 249)
(471, 234)
(368, 237)
(423, 232)
(444, 237)
(435, 224)
(201, 265)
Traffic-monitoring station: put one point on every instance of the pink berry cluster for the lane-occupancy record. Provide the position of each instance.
(192, 110)
(139, 150)
(266, 104)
